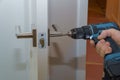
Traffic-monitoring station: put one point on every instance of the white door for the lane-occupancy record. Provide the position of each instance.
(14, 57)
(18, 59)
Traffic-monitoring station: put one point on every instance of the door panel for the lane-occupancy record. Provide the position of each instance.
(14, 57)
(62, 61)
(67, 57)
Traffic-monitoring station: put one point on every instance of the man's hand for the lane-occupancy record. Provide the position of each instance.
(103, 47)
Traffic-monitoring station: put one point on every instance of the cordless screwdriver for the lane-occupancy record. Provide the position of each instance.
(92, 31)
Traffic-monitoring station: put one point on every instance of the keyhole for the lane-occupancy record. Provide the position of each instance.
(42, 42)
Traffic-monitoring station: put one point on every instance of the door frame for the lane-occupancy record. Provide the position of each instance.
(38, 14)
(42, 27)
(82, 18)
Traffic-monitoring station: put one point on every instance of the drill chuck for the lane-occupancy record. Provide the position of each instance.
(83, 32)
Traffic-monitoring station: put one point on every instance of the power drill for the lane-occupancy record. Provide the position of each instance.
(92, 31)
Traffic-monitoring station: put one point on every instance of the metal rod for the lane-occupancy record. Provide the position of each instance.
(58, 35)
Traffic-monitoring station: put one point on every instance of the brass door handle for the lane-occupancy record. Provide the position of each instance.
(32, 35)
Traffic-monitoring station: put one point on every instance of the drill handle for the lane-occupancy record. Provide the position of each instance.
(112, 60)
(115, 47)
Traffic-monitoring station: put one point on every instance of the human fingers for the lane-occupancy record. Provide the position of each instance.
(106, 49)
(92, 43)
(114, 34)
(99, 46)
(104, 34)
(109, 49)
(103, 48)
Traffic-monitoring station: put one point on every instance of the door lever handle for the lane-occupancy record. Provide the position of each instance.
(32, 35)
(24, 35)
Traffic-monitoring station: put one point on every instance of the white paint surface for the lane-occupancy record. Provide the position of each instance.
(14, 57)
